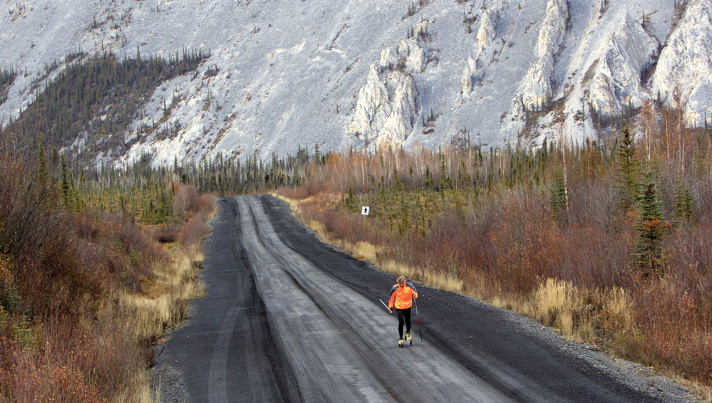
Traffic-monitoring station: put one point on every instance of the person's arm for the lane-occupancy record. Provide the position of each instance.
(415, 292)
(392, 299)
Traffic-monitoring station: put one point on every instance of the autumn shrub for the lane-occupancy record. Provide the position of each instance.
(487, 222)
(70, 326)
(9, 296)
(81, 337)
(667, 315)
(316, 187)
(676, 309)
(295, 193)
(26, 208)
(34, 381)
(527, 245)
(194, 227)
(186, 197)
(192, 231)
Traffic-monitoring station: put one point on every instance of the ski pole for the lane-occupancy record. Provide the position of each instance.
(415, 300)
(384, 304)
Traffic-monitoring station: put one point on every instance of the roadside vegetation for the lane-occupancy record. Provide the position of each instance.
(607, 242)
(93, 270)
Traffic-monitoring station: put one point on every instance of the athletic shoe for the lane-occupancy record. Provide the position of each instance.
(407, 337)
(400, 342)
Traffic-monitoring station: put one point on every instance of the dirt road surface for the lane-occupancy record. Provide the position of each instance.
(286, 318)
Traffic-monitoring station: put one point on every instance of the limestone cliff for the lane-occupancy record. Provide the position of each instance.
(387, 104)
(683, 75)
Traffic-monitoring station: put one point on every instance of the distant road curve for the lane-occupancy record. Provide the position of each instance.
(287, 318)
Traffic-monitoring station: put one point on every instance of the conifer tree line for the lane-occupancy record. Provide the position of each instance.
(97, 97)
(407, 190)
(226, 177)
(7, 76)
(146, 192)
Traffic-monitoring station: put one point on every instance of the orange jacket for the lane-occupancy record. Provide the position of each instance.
(402, 297)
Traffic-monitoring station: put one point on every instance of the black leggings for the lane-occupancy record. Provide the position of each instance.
(403, 316)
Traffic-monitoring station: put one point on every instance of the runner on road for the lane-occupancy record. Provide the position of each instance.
(402, 295)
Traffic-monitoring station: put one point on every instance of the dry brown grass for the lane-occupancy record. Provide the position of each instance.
(164, 301)
(161, 307)
(580, 314)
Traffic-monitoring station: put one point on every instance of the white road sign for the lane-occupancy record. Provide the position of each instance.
(365, 210)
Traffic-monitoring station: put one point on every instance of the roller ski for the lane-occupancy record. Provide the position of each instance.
(406, 339)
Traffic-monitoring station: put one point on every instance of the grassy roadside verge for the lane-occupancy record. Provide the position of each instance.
(100, 348)
(159, 307)
(86, 291)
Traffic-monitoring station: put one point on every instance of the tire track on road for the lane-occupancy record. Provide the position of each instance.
(269, 378)
(323, 364)
(251, 353)
(434, 376)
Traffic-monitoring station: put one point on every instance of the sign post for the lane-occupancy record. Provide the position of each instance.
(364, 212)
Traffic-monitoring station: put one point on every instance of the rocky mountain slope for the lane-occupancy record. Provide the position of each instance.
(362, 73)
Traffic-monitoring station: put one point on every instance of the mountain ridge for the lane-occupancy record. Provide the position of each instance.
(361, 74)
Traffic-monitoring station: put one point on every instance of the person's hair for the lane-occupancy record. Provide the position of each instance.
(401, 279)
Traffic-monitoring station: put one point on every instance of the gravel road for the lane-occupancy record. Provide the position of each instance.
(287, 318)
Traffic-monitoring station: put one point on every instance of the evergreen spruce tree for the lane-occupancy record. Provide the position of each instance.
(628, 171)
(397, 182)
(350, 202)
(420, 217)
(683, 202)
(404, 222)
(65, 184)
(445, 181)
(428, 178)
(559, 195)
(651, 230)
(459, 206)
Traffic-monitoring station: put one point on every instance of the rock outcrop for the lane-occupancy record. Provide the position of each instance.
(683, 75)
(473, 70)
(486, 31)
(615, 77)
(386, 105)
(386, 109)
(536, 89)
